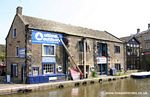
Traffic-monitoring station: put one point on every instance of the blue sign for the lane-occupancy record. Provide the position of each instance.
(21, 52)
(43, 37)
(51, 59)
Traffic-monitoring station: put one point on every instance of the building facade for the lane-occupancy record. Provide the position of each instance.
(144, 38)
(132, 49)
(39, 47)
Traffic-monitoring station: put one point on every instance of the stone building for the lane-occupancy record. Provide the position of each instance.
(144, 38)
(34, 48)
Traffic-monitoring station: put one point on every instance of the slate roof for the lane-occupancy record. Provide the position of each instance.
(126, 39)
(48, 25)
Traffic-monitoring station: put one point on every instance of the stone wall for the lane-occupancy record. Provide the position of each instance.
(12, 43)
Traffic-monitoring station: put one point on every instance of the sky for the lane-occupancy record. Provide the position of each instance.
(118, 17)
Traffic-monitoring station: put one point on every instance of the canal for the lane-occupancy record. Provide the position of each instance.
(118, 88)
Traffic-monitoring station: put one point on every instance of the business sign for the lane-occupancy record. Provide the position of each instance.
(43, 37)
(21, 52)
(50, 59)
(101, 60)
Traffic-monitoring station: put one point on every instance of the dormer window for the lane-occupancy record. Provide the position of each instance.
(14, 33)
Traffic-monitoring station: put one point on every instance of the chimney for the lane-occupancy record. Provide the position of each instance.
(138, 30)
(148, 26)
(19, 10)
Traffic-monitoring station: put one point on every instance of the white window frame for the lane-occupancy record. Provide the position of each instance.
(48, 64)
(48, 45)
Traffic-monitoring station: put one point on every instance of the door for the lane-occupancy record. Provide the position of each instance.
(23, 75)
(103, 69)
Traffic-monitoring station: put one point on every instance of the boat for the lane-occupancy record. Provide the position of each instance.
(141, 75)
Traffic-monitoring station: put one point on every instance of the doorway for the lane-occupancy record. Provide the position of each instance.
(102, 56)
(103, 69)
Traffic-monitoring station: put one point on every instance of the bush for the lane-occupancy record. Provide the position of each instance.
(94, 74)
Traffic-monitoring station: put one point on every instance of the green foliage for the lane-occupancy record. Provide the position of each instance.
(94, 74)
(147, 62)
(2, 55)
(2, 52)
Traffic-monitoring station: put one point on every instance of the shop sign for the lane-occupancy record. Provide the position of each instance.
(50, 59)
(101, 60)
(43, 37)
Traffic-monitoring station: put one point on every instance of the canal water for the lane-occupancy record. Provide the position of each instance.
(118, 88)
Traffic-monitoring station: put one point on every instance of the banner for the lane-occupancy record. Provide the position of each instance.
(43, 37)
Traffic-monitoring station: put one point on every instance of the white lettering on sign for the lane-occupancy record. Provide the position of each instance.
(101, 60)
(43, 37)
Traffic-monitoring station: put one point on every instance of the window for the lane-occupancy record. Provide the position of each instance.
(17, 51)
(48, 68)
(117, 49)
(137, 45)
(48, 50)
(35, 71)
(118, 66)
(128, 44)
(102, 49)
(81, 46)
(14, 70)
(132, 39)
(14, 33)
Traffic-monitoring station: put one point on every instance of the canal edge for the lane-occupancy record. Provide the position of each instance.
(58, 85)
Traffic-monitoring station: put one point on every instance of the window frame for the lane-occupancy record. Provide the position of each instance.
(52, 64)
(14, 34)
(115, 49)
(17, 51)
(14, 73)
(35, 68)
(118, 66)
(43, 54)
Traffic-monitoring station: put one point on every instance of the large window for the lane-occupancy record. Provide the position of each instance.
(48, 68)
(48, 50)
(117, 49)
(102, 49)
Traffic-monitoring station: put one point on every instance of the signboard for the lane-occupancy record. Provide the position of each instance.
(101, 60)
(43, 37)
(50, 59)
(21, 52)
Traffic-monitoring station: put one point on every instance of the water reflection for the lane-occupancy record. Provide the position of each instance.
(118, 88)
(74, 92)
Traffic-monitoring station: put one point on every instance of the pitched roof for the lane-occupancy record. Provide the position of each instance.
(126, 39)
(48, 25)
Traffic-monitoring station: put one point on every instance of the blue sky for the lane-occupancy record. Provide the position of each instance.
(118, 17)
